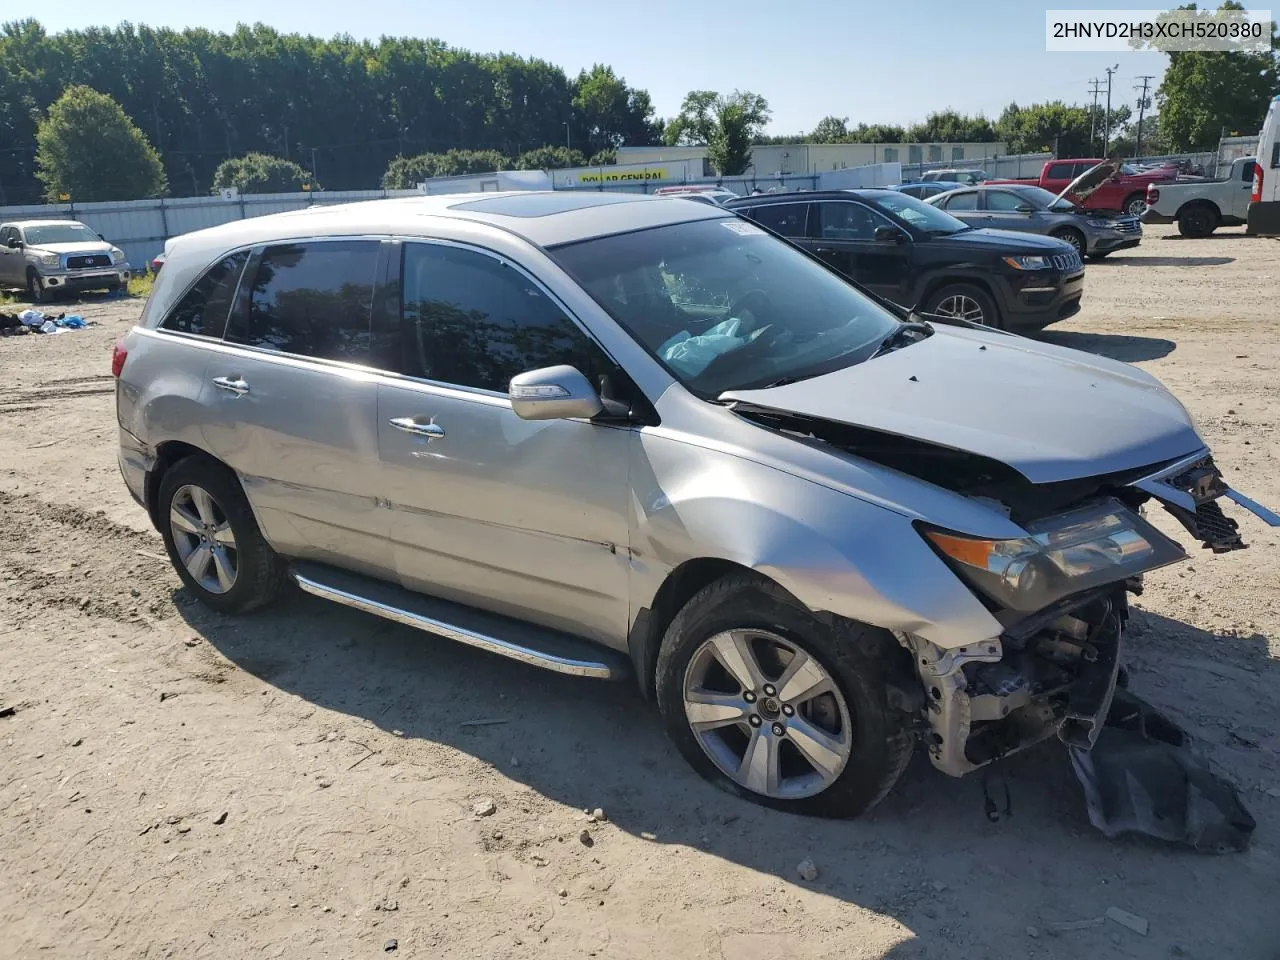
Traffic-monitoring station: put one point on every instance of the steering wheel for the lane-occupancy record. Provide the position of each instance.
(750, 309)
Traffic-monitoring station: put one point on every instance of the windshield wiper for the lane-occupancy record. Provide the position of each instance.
(907, 332)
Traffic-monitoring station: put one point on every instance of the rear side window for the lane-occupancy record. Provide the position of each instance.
(311, 299)
(1058, 171)
(204, 309)
(962, 201)
(471, 320)
(1246, 172)
(787, 219)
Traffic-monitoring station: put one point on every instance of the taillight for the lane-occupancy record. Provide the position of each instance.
(1152, 194)
(118, 357)
(1257, 184)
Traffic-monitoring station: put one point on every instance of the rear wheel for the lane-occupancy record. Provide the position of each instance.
(1071, 236)
(1135, 204)
(964, 301)
(1197, 220)
(769, 703)
(212, 538)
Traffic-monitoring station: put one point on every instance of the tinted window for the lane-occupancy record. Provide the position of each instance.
(471, 320)
(1081, 168)
(787, 219)
(848, 221)
(1058, 171)
(962, 201)
(1246, 172)
(203, 311)
(1002, 201)
(311, 299)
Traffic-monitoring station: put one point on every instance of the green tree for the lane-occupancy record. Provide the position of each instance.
(739, 117)
(877, 133)
(695, 123)
(550, 158)
(1046, 127)
(88, 148)
(948, 126)
(1206, 92)
(607, 113)
(603, 158)
(262, 173)
(830, 130)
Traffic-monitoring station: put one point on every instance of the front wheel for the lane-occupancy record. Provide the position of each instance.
(1196, 221)
(769, 703)
(963, 301)
(36, 291)
(1073, 237)
(1135, 205)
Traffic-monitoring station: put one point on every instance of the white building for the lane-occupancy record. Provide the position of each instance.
(808, 159)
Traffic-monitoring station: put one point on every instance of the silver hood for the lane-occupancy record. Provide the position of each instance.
(1049, 412)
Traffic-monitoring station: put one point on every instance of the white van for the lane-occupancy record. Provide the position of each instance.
(1264, 208)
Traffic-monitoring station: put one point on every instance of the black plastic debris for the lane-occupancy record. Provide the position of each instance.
(1143, 777)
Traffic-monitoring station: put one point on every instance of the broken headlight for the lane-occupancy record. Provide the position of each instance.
(1104, 542)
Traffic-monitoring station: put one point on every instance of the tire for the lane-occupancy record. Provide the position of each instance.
(1135, 204)
(1071, 236)
(35, 291)
(1197, 220)
(256, 569)
(956, 293)
(856, 663)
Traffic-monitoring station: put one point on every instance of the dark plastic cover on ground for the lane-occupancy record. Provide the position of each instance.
(1142, 777)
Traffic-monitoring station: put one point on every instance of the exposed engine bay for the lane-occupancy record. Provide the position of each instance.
(1055, 668)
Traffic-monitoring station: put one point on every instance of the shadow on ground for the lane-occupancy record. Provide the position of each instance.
(1117, 346)
(927, 856)
(1162, 262)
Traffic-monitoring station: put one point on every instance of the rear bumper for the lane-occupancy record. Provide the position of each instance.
(136, 462)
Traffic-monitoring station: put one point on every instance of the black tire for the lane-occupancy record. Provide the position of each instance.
(1197, 220)
(1135, 204)
(1072, 236)
(1100, 255)
(860, 659)
(990, 314)
(35, 291)
(259, 569)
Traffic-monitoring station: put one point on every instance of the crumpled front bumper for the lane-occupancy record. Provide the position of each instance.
(1190, 488)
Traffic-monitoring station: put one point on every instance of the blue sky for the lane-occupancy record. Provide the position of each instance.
(872, 62)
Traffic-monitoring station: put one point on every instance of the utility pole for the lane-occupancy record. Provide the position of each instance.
(1106, 124)
(1142, 108)
(1093, 114)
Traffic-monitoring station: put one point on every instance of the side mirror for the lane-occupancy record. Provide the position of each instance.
(553, 393)
(889, 235)
(1025, 208)
(14, 243)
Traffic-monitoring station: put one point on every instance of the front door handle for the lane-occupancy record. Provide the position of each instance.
(432, 431)
(236, 385)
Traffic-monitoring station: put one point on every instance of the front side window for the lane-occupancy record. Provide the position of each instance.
(962, 201)
(723, 305)
(471, 320)
(848, 221)
(922, 216)
(204, 308)
(1003, 201)
(788, 219)
(311, 299)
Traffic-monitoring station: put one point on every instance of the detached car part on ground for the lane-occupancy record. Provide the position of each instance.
(51, 257)
(612, 436)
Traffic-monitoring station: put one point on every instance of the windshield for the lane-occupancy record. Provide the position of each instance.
(60, 233)
(725, 306)
(1129, 169)
(916, 213)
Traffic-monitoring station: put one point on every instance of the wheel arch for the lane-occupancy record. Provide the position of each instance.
(935, 284)
(1209, 205)
(167, 454)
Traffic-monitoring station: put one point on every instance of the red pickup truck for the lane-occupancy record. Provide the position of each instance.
(1126, 191)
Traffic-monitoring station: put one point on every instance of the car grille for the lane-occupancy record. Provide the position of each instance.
(1128, 225)
(91, 260)
(1068, 262)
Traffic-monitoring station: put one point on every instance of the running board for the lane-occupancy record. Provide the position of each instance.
(505, 636)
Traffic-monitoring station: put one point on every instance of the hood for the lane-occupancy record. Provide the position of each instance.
(1000, 241)
(77, 247)
(1084, 185)
(1050, 413)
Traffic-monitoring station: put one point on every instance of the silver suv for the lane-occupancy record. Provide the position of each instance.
(614, 435)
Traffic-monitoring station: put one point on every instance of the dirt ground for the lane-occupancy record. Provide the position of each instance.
(174, 783)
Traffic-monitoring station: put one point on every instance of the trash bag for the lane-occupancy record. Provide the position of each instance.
(1143, 777)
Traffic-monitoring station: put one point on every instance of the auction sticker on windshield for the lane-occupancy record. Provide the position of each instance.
(741, 228)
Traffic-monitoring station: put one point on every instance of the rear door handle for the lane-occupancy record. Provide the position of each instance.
(236, 385)
(827, 250)
(432, 431)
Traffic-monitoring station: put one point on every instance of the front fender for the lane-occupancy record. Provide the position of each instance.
(832, 551)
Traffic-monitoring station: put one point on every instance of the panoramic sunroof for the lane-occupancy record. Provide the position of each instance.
(542, 204)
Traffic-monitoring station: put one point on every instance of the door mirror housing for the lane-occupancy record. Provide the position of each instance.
(890, 235)
(554, 393)
(14, 243)
(1025, 208)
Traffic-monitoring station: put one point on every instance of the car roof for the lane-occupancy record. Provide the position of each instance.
(863, 193)
(542, 217)
(38, 223)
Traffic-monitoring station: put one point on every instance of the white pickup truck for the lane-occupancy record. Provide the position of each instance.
(1202, 206)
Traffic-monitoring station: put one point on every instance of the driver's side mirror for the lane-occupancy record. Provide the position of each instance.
(890, 235)
(1025, 208)
(554, 393)
(14, 243)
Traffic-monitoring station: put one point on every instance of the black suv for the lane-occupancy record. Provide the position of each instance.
(923, 258)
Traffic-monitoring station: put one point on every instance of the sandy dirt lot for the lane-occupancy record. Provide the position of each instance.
(174, 783)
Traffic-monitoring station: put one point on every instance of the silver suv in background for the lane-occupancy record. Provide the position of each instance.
(613, 435)
(50, 257)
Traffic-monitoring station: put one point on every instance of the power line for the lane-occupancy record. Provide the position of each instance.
(1093, 114)
(1143, 103)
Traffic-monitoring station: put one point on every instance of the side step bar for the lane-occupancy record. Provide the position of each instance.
(505, 636)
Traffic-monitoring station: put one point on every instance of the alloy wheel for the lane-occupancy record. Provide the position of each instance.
(1136, 208)
(203, 538)
(767, 714)
(961, 306)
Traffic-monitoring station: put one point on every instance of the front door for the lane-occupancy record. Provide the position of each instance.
(524, 518)
(11, 259)
(844, 234)
(294, 402)
(1008, 211)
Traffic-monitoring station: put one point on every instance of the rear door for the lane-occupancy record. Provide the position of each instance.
(525, 518)
(789, 219)
(963, 205)
(294, 402)
(844, 236)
